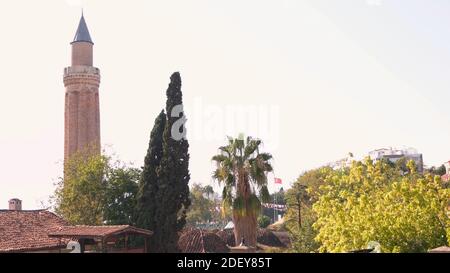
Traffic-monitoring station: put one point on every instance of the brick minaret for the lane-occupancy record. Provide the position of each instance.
(82, 113)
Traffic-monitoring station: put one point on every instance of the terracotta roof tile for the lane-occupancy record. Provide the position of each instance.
(227, 235)
(96, 231)
(22, 231)
(268, 238)
(264, 236)
(199, 241)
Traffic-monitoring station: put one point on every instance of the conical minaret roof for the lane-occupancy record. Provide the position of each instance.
(82, 34)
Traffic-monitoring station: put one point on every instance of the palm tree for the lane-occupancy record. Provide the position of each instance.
(242, 170)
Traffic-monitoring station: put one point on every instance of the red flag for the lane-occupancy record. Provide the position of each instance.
(278, 181)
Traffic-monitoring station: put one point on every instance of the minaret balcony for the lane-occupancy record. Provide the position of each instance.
(75, 75)
(81, 70)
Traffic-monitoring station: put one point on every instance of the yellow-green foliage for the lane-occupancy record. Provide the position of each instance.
(80, 196)
(375, 202)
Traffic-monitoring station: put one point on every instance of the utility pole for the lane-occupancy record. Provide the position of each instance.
(274, 207)
(301, 194)
(299, 203)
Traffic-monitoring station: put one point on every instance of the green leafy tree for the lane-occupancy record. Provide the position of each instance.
(403, 211)
(300, 217)
(242, 170)
(80, 197)
(95, 192)
(121, 191)
(297, 199)
(448, 234)
(309, 183)
(263, 221)
(440, 171)
(173, 173)
(279, 197)
(150, 202)
(209, 191)
(202, 207)
(303, 236)
(401, 164)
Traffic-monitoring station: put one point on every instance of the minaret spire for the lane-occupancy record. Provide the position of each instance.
(82, 34)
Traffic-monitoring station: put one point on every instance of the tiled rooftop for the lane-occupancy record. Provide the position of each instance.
(96, 231)
(198, 241)
(22, 231)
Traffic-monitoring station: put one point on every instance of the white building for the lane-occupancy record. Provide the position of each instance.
(393, 155)
(340, 164)
(446, 177)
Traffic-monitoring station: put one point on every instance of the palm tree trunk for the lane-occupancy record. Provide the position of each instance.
(245, 226)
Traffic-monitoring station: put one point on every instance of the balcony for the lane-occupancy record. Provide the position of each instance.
(81, 70)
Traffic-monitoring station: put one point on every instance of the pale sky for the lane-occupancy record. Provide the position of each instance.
(321, 78)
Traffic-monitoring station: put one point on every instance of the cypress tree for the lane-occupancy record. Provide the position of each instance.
(147, 204)
(174, 171)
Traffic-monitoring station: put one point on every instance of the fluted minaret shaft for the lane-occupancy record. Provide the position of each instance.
(82, 109)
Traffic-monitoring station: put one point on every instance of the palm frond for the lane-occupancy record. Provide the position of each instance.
(265, 156)
(243, 207)
(219, 158)
(264, 194)
(226, 150)
(251, 147)
(231, 181)
(241, 162)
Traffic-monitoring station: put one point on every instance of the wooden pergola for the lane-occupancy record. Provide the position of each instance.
(101, 234)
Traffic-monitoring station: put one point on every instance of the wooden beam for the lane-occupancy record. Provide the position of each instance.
(103, 245)
(82, 245)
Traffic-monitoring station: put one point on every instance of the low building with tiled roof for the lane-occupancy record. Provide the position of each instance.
(264, 237)
(41, 231)
(199, 241)
(227, 235)
(97, 231)
(27, 231)
(103, 238)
